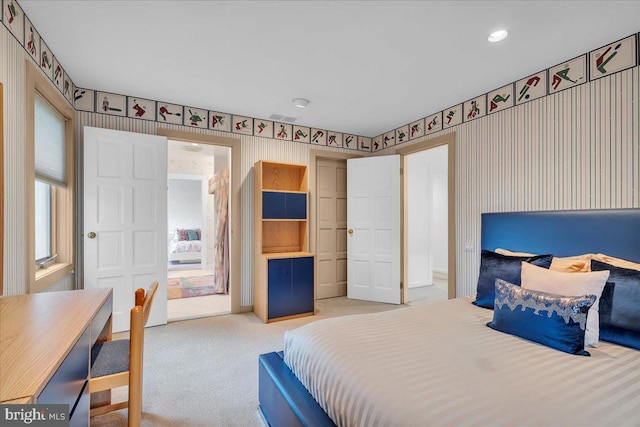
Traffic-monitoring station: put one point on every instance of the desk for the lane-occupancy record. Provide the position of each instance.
(45, 346)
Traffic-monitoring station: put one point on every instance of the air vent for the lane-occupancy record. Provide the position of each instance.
(281, 118)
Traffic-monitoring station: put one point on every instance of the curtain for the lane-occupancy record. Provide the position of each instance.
(219, 187)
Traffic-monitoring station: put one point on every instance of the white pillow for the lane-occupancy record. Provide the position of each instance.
(569, 284)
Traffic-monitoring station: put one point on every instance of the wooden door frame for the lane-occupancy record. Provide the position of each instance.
(450, 141)
(2, 187)
(314, 156)
(236, 203)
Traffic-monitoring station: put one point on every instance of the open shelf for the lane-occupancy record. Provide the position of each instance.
(284, 236)
(284, 270)
(284, 177)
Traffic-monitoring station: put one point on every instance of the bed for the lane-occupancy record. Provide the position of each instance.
(185, 247)
(447, 367)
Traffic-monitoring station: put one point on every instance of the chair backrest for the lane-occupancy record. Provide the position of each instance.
(139, 317)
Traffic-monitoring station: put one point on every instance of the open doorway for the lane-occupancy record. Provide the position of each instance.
(448, 140)
(198, 236)
(427, 200)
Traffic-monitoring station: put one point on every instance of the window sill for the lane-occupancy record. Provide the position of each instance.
(46, 277)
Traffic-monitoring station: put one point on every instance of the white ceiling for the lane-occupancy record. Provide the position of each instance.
(367, 66)
(185, 150)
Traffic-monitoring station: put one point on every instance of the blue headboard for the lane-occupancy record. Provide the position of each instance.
(614, 232)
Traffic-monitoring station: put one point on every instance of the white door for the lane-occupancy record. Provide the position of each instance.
(373, 214)
(125, 218)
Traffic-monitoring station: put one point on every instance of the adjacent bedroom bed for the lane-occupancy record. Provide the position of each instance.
(552, 337)
(185, 246)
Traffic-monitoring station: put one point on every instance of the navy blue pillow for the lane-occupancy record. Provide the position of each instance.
(556, 321)
(620, 305)
(508, 268)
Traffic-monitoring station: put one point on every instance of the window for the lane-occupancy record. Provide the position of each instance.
(43, 222)
(50, 174)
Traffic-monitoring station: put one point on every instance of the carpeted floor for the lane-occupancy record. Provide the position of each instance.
(192, 308)
(204, 372)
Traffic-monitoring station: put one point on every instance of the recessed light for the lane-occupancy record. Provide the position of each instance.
(195, 144)
(301, 102)
(497, 36)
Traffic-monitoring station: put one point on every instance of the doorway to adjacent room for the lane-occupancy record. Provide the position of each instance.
(427, 216)
(198, 237)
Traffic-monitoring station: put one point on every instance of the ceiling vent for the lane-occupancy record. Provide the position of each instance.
(281, 118)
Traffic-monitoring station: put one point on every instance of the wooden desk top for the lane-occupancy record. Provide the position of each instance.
(37, 331)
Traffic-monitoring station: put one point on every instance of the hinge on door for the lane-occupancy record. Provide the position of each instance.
(401, 171)
(401, 285)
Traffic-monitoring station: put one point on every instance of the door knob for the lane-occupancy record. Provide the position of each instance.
(91, 235)
(350, 231)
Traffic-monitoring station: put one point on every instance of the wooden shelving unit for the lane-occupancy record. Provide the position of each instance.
(283, 267)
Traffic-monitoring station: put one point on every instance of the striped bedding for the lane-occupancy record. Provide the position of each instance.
(439, 365)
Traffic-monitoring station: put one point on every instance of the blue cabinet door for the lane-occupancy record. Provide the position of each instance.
(302, 284)
(277, 205)
(290, 286)
(279, 287)
(296, 206)
(274, 205)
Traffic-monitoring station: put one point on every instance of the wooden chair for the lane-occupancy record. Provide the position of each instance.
(118, 363)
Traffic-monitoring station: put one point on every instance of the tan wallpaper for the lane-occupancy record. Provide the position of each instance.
(12, 75)
(576, 149)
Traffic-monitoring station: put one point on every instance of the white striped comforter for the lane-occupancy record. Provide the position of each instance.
(439, 365)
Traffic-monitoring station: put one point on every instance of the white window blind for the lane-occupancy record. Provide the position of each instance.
(50, 153)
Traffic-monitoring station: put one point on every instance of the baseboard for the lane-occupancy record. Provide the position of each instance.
(418, 285)
(246, 309)
(440, 274)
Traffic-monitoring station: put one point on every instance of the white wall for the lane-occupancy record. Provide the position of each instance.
(427, 215)
(419, 216)
(184, 203)
(439, 221)
(201, 163)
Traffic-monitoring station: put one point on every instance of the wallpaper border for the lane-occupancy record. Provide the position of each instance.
(532, 87)
(617, 56)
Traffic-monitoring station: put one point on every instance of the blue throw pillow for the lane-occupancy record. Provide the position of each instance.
(556, 321)
(620, 305)
(192, 235)
(496, 266)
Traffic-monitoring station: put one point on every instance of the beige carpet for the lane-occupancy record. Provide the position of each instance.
(191, 308)
(204, 372)
(189, 273)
